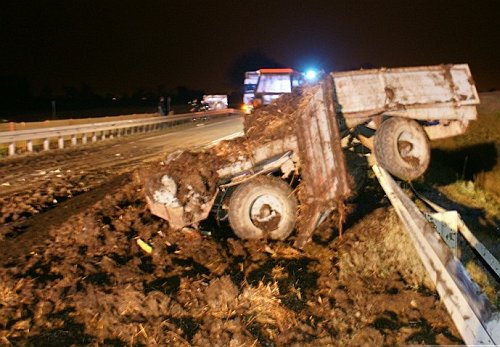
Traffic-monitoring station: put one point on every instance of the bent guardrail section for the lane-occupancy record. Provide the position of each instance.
(93, 132)
(470, 310)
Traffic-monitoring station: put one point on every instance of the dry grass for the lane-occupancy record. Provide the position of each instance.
(9, 305)
(489, 180)
(7, 295)
(264, 305)
(470, 194)
(390, 252)
(485, 281)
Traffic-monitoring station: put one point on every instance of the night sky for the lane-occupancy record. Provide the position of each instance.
(118, 46)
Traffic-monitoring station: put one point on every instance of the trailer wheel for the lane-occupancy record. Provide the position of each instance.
(402, 148)
(264, 207)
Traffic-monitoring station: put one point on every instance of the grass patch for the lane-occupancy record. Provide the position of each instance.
(469, 194)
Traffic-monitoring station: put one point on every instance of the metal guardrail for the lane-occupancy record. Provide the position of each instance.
(450, 226)
(476, 320)
(99, 131)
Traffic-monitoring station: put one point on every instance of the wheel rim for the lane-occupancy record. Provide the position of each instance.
(266, 211)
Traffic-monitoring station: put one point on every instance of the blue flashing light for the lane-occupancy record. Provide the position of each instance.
(311, 75)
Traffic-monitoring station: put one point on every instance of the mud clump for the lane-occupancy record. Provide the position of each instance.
(190, 175)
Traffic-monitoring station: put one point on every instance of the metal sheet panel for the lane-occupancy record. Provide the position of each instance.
(322, 160)
(369, 92)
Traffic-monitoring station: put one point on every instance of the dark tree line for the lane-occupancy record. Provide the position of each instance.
(18, 102)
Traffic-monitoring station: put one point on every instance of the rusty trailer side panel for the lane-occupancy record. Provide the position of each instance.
(425, 93)
(323, 168)
(320, 151)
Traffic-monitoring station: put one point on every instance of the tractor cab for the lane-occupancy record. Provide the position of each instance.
(266, 85)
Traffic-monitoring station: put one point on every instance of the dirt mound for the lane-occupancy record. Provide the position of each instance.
(91, 283)
(277, 120)
(188, 181)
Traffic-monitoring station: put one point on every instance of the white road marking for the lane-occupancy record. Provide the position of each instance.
(228, 137)
(172, 134)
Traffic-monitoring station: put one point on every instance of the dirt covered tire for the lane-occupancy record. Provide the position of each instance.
(264, 207)
(402, 148)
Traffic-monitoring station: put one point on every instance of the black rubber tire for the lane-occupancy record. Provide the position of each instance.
(252, 192)
(402, 148)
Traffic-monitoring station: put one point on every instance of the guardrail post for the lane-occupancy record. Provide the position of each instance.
(61, 142)
(103, 135)
(94, 136)
(12, 148)
(46, 144)
(73, 140)
(84, 138)
(29, 145)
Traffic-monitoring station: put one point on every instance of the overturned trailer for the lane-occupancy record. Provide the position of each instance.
(393, 112)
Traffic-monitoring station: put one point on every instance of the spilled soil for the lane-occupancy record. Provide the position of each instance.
(88, 281)
(95, 267)
(75, 274)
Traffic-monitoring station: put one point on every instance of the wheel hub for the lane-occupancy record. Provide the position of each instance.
(409, 148)
(265, 209)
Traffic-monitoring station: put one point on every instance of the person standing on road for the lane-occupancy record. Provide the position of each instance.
(162, 108)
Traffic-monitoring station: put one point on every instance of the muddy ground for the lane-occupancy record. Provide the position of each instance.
(73, 273)
(89, 282)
